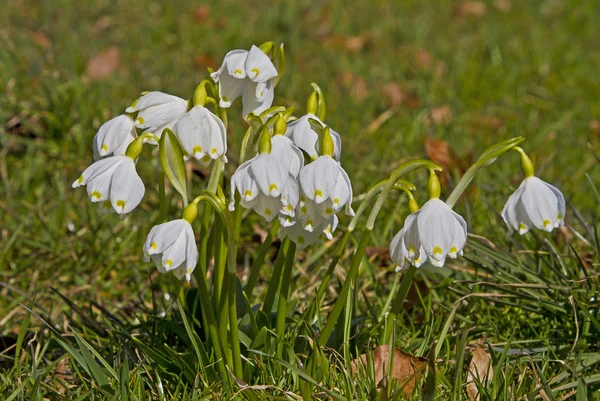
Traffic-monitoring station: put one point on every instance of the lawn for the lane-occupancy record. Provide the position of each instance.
(82, 316)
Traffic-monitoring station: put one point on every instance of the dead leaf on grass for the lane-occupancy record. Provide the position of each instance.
(471, 9)
(104, 63)
(441, 115)
(440, 152)
(406, 368)
(480, 370)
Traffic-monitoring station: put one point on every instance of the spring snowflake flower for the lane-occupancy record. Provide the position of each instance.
(306, 138)
(434, 231)
(173, 248)
(325, 182)
(157, 111)
(288, 154)
(249, 74)
(202, 135)
(302, 237)
(265, 185)
(114, 136)
(534, 204)
(113, 178)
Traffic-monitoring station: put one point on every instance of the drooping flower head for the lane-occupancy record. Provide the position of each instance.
(114, 136)
(325, 182)
(304, 136)
(265, 184)
(113, 178)
(202, 135)
(249, 74)
(534, 204)
(157, 111)
(284, 150)
(172, 247)
(302, 237)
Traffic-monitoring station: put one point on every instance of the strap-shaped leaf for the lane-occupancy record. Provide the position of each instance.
(171, 158)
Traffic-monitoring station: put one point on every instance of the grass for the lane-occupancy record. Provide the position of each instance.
(81, 316)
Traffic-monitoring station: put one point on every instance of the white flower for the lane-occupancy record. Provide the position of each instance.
(307, 139)
(435, 231)
(534, 204)
(114, 136)
(249, 74)
(113, 178)
(325, 182)
(399, 253)
(202, 135)
(173, 248)
(157, 111)
(266, 186)
(303, 237)
(288, 154)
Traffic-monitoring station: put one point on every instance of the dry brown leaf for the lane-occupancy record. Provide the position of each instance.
(490, 122)
(202, 13)
(472, 9)
(406, 368)
(503, 5)
(356, 43)
(41, 39)
(595, 127)
(441, 115)
(423, 59)
(480, 370)
(398, 96)
(382, 253)
(357, 85)
(440, 152)
(103, 64)
(201, 61)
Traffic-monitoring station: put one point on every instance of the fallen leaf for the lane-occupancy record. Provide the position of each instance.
(440, 152)
(595, 127)
(480, 370)
(202, 13)
(357, 85)
(423, 59)
(471, 9)
(398, 96)
(441, 115)
(356, 43)
(503, 5)
(260, 233)
(201, 61)
(382, 253)
(487, 122)
(41, 39)
(103, 64)
(406, 368)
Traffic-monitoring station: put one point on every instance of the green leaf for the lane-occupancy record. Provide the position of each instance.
(321, 105)
(171, 158)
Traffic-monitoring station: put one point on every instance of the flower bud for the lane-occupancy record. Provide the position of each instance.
(433, 186)
(312, 104)
(264, 145)
(327, 146)
(280, 126)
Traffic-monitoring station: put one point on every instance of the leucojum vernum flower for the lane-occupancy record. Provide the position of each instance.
(289, 172)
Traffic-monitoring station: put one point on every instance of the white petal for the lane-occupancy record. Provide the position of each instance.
(112, 135)
(174, 256)
(290, 196)
(436, 228)
(317, 179)
(152, 99)
(126, 188)
(270, 175)
(267, 206)
(284, 150)
(230, 88)
(98, 188)
(398, 251)
(560, 199)
(155, 118)
(342, 192)
(257, 104)
(97, 168)
(191, 252)
(258, 66)
(509, 212)
(200, 132)
(412, 239)
(244, 182)
(235, 63)
(163, 236)
(303, 136)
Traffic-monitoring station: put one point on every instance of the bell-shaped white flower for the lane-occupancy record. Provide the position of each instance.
(172, 247)
(435, 231)
(327, 183)
(288, 154)
(113, 178)
(202, 135)
(249, 74)
(301, 132)
(399, 254)
(114, 136)
(303, 238)
(265, 185)
(534, 204)
(157, 111)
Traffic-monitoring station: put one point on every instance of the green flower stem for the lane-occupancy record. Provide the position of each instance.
(233, 320)
(223, 319)
(341, 299)
(260, 259)
(274, 282)
(219, 263)
(398, 302)
(487, 157)
(284, 294)
(210, 331)
(164, 205)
